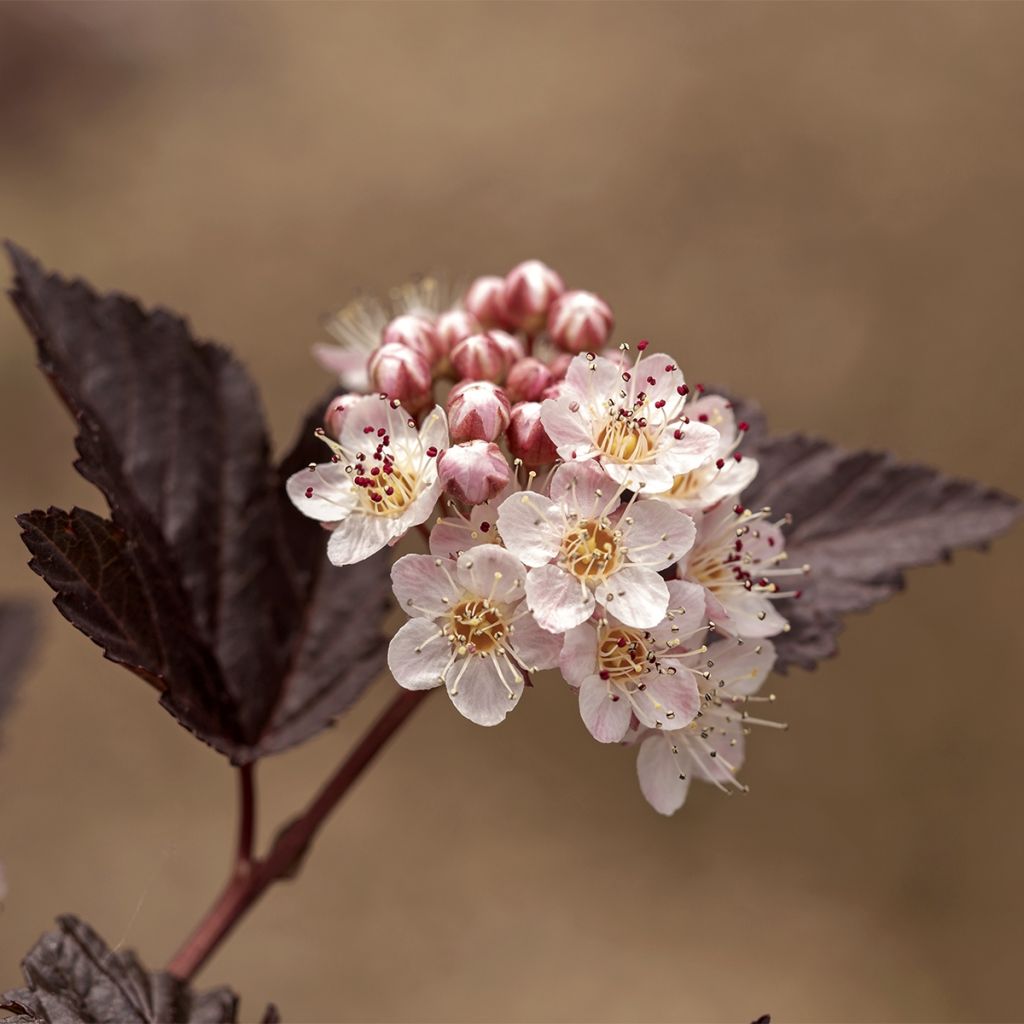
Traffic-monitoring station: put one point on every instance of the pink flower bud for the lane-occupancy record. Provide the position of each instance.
(559, 366)
(486, 301)
(527, 380)
(477, 411)
(527, 439)
(455, 325)
(530, 289)
(486, 356)
(473, 472)
(416, 332)
(580, 322)
(335, 413)
(401, 372)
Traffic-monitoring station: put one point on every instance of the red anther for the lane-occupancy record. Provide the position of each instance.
(738, 545)
(367, 430)
(703, 417)
(797, 594)
(335, 459)
(660, 403)
(720, 463)
(744, 426)
(389, 491)
(621, 642)
(605, 674)
(309, 492)
(381, 431)
(375, 471)
(641, 346)
(376, 497)
(739, 510)
(678, 435)
(627, 376)
(738, 456)
(683, 389)
(700, 389)
(641, 423)
(431, 452)
(485, 527)
(652, 381)
(771, 542)
(641, 397)
(763, 582)
(615, 698)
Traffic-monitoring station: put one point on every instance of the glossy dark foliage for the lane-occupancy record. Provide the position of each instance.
(204, 580)
(859, 520)
(73, 977)
(17, 633)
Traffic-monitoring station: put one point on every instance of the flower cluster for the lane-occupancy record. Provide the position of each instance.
(585, 513)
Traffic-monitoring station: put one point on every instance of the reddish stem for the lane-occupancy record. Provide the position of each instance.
(252, 876)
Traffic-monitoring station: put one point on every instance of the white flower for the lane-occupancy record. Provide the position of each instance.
(455, 533)
(625, 674)
(728, 473)
(381, 482)
(585, 548)
(711, 747)
(735, 556)
(472, 630)
(631, 420)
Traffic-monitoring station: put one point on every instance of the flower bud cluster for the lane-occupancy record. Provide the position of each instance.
(585, 514)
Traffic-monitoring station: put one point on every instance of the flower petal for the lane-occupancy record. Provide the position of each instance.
(579, 654)
(359, 536)
(604, 711)
(669, 700)
(582, 488)
(741, 669)
(531, 527)
(424, 587)
(492, 572)
(663, 775)
(333, 496)
(480, 695)
(657, 534)
(557, 600)
(567, 427)
(418, 655)
(535, 648)
(635, 595)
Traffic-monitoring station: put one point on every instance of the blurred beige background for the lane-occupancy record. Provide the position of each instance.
(821, 206)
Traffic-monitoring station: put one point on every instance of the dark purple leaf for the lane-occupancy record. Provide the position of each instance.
(17, 633)
(73, 977)
(205, 581)
(859, 520)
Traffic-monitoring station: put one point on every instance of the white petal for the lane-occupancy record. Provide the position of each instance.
(635, 596)
(358, 537)
(590, 381)
(493, 572)
(480, 694)
(657, 534)
(698, 444)
(534, 648)
(418, 655)
(423, 587)
(333, 495)
(434, 432)
(649, 477)
(362, 421)
(670, 701)
(725, 737)
(741, 669)
(557, 600)
(569, 430)
(604, 711)
(579, 654)
(659, 773)
(750, 615)
(531, 527)
(584, 489)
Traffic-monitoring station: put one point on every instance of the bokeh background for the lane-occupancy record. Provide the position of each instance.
(818, 205)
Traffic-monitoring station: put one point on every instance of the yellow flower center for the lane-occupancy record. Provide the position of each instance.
(622, 655)
(477, 627)
(590, 551)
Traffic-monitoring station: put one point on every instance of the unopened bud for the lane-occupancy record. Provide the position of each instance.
(477, 411)
(455, 325)
(530, 288)
(415, 331)
(473, 472)
(336, 412)
(486, 301)
(559, 366)
(527, 380)
(402, 373)
(527, 439)
(580, 322)
(486, 356)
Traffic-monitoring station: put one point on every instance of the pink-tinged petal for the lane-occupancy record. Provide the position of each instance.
(635, 596)
(362, 421)
(763, 541)
(649, 477)
(666, 383)
(418, 654)
(740, 669)
(664, 776)
(579, 654)
(669, 701)
(423, 587)
(582, 488)
(349, 365)
(590, 381)
(726, 482)
(657, 534)
(686, 602)
(750, 615)
(325, 493)
(480, 694)
(450, 537)
(536, 649)
(697, 444)
(434, 430)
(715, 411)
(724, 729)
(557, 600)
(359, 536)
(531, 527)
(494, 573)
(604, 710)
(564, 422)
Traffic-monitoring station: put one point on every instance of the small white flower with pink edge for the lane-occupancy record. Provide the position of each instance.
(728, 473)
(471, 630)
(626, 675)
(711, 747)
(382, 479)
(584, 548)
(631, 420)
(737, 558)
